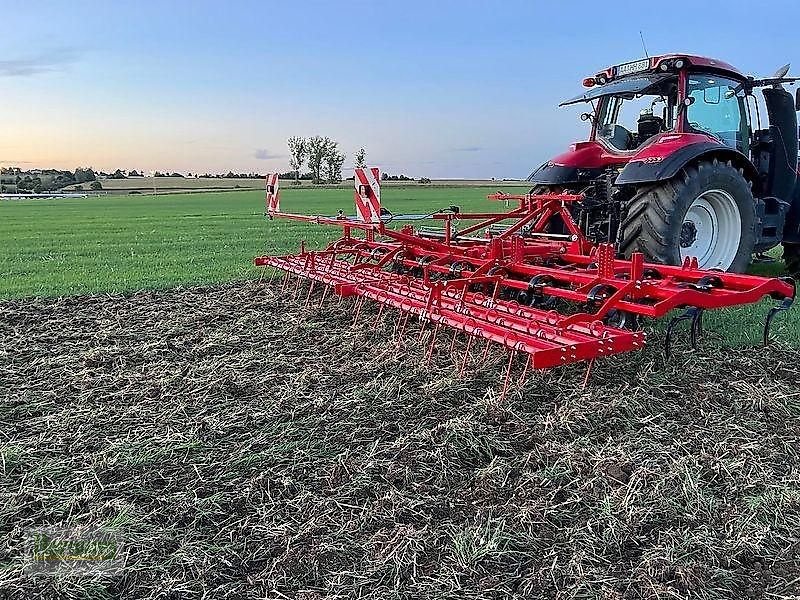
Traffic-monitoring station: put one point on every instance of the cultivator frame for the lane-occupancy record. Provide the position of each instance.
(556, 297)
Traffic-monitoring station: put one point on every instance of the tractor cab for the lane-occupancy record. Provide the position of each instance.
(682, 123)
(635, 102)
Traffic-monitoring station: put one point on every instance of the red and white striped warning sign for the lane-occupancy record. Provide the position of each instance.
(368, 194)
(273, 198)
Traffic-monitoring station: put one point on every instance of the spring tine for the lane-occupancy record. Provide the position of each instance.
(466, 355)
(272, 275)
(405, 322)
(433, 341)
(588, 371)
(297, 287)
(308, 296)
(285, 281)
(689, 314)
(380, 313)
(512, 354)
(261, 274)
(324, 295)
(485, 351)
(525, 371)
(783, 306)
(453, 341)
(423, 323)
(359, 304)
(697, 327)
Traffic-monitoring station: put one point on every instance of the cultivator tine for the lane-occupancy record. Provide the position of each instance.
(453, 341)
(433, 342)
(507, 376)
(324, 295)
(692, 314)
(297, 287)
(359, 304)
(697, 327)
(405, 319)
(784, 305)
(485, 351)
(308, 296)
(422, 326)
(466, 355)
(588, 373)
(525, 371)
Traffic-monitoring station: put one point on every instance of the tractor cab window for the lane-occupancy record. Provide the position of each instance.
(627, 121)
(718, 108)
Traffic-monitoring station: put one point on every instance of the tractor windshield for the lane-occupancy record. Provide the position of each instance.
(627, 120)
(718, 107)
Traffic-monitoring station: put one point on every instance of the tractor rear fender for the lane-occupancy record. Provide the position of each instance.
(651, 171)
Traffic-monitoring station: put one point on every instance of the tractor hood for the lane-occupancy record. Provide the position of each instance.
(585, 161)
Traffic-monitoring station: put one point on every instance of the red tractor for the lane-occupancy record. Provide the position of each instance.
(680, 164)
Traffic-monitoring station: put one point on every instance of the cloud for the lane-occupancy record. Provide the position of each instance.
(468, 149)
(264, 154)
(45, 62)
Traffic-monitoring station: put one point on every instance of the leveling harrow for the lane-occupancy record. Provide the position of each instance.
(505, 278)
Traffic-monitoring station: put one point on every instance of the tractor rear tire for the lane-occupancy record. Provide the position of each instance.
(791, 257)
(706, 211)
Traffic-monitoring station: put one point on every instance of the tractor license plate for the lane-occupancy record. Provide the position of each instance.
(632, 67)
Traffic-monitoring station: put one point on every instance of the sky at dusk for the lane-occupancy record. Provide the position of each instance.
(436, 89)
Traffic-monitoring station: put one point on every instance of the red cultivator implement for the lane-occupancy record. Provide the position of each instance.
(507, 278)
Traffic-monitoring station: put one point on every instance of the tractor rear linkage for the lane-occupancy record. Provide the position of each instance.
(554, 296)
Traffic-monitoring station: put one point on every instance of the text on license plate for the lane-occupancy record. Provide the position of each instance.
(632, 67)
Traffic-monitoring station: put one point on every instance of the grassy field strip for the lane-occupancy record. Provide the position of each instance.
(111, 244)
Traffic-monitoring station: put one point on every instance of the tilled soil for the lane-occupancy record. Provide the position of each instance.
(243, 446)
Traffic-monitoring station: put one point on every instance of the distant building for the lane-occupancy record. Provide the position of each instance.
(8, 181)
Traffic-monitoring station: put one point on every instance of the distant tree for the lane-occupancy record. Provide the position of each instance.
(95, 185)
(118, 174)
(134, 173)
(318, 149)
(84, 174)
(333, 162)
(78, 188)
(298, 152)
(424, 180)
(360, 159)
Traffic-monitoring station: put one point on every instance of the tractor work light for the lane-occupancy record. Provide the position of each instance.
(588, 82)
(680, 63)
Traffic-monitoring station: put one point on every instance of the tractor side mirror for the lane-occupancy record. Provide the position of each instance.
(687, 102)
(587, 116)
(797, 100)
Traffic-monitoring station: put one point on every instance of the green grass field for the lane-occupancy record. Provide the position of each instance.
(117, 244)
(96, 244)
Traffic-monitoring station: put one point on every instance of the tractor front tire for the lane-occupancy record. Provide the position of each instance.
(791, 257)
(706, 211)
